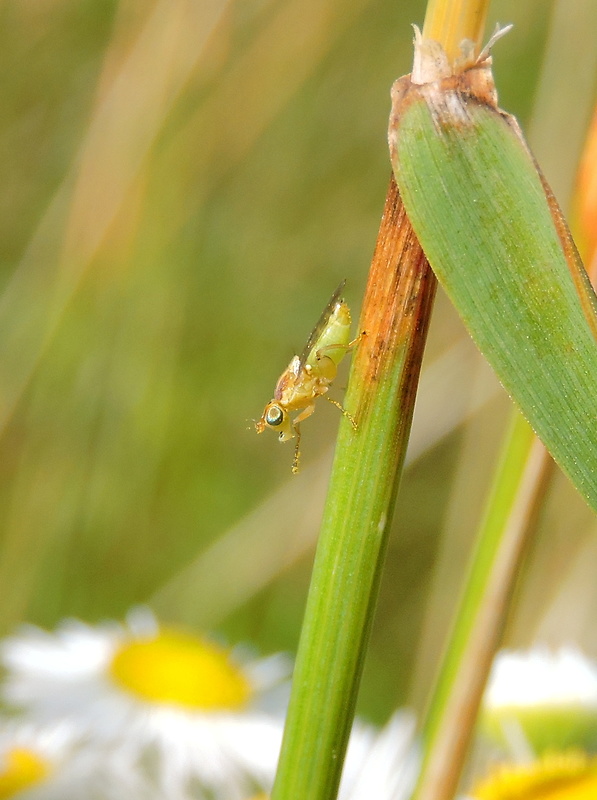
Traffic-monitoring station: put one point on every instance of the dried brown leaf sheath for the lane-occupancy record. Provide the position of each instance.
(399, 291)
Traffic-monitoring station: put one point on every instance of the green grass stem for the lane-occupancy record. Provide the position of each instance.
(507, 525)
(358, 512)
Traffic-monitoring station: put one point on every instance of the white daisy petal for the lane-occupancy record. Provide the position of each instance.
(382, 764)
(542, 677)
(541, 700)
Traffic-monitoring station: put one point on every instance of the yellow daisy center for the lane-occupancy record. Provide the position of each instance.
(557, 776)
(179, 668)
(20, 769)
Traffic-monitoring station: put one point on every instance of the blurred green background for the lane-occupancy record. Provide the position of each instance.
(184, 184)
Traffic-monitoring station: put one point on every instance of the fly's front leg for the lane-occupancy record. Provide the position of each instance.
(346, 413)
(297, 451)
(306, 412)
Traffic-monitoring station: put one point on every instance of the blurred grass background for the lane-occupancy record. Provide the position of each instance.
(185, 182)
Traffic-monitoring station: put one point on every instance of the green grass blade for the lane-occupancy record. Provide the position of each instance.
(499, 247)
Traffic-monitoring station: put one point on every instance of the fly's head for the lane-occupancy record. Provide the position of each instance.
(276, 417)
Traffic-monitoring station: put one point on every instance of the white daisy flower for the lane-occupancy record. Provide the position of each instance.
(179, 707)
(541, 699)
(48, 764)
(570, 775)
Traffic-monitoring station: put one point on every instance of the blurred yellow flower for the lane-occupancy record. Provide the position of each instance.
(557, 776)
(21, 768)
(176, 667)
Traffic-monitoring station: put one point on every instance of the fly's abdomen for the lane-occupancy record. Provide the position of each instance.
(334, 338)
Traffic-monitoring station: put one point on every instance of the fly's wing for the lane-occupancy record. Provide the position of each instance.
(321, 324)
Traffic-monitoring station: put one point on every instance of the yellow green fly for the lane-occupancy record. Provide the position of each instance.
(310, 375)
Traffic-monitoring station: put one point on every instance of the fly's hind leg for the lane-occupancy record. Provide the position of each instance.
(331, 367)
(346, 413)
(306, 412)
(356, 340)
(321, 353)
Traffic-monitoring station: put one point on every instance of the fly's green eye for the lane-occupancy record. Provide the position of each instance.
(274, 416)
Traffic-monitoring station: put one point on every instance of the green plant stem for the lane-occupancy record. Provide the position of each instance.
(357, 515)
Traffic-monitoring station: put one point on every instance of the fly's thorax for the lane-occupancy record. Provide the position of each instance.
(301, 391)
(288, 378)
(334, 338)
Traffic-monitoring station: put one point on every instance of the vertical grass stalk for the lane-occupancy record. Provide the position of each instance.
(449, 22)
(513, 502)
(358, 511)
